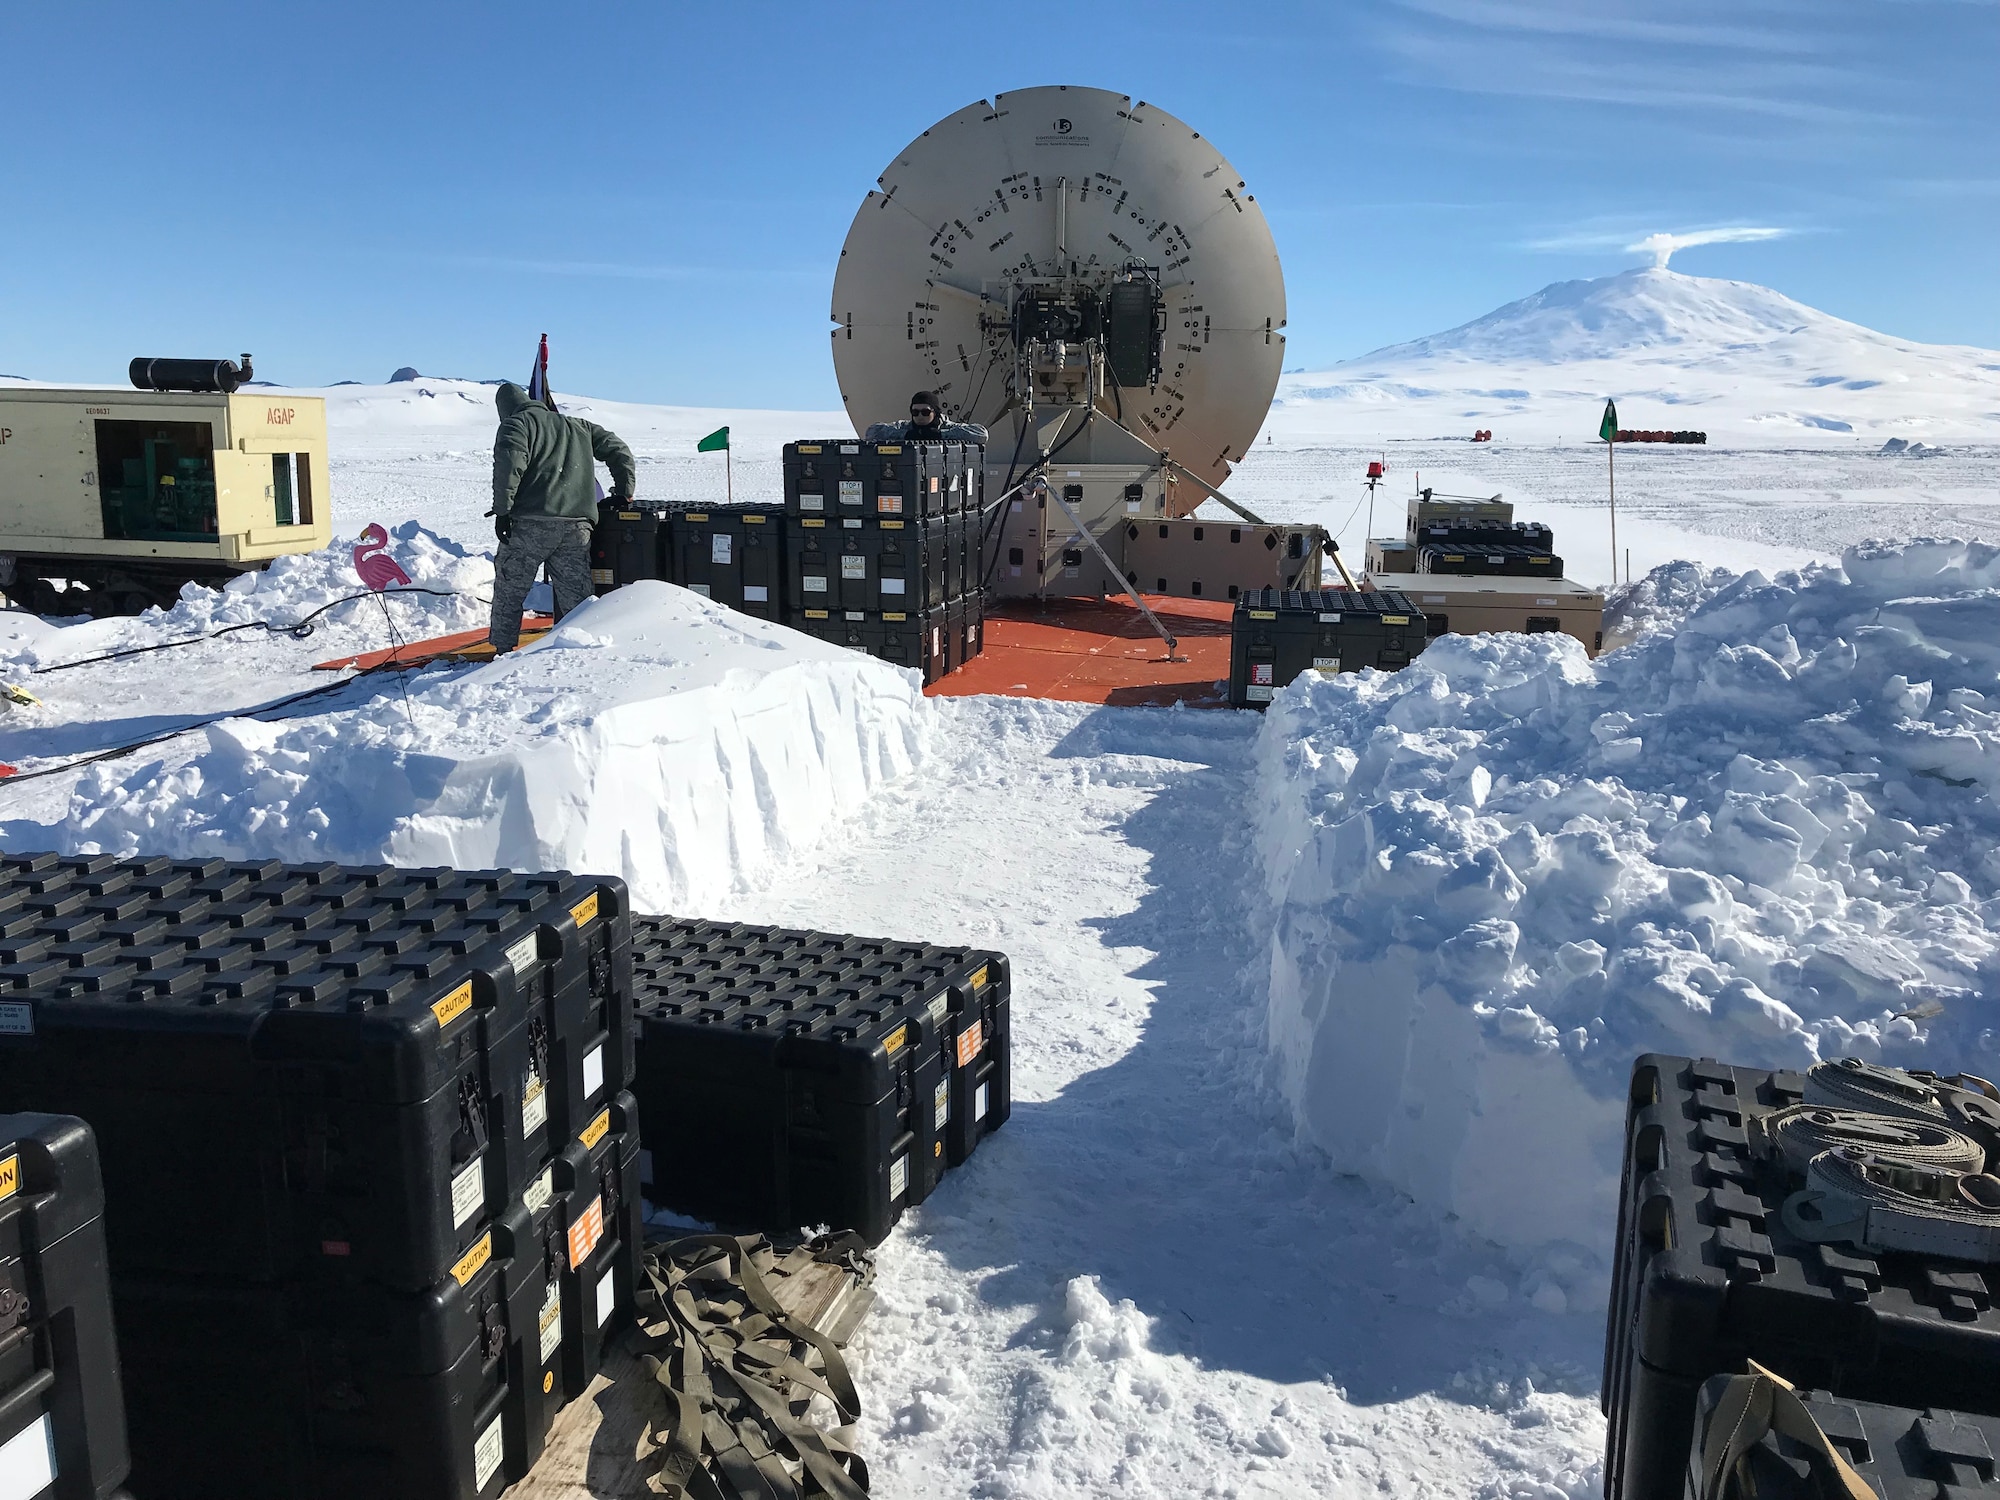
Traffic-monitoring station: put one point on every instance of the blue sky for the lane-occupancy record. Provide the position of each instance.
(664, 189)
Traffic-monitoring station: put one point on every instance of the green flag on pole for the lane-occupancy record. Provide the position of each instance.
(717, 440)
(1607, 429)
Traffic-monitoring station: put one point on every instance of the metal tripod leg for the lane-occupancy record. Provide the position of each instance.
(1116, 572)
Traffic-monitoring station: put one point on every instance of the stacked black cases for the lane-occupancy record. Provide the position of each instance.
(852, 480)
(62, 1415)
(628, 543)
(1479, 535)
(1901, 1452)
(790, 1078)
(733, 554)
(1706, 1277)
(325, 1100)
(1277, 634)
(1489, 562)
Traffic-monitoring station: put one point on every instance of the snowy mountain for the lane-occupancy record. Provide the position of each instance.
(1744, 363)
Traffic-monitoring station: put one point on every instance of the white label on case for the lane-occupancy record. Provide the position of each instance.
(1326, 663)
(941, 1104)
(937, 1006)
(899, 1178)
(1258, 694)
(891, 585)
(468, 1192)
(534, 1103)
(487, 1453)
(17, 1018)
(552, 1320)
(815, 583)
(28, 1461)
(607, 1296)
(593, 1070)
(541, 1192)
(853, 565)
(811, 501)
(699, 588)
(979, 1102)
(718, 547)
(756, 593)
(850, 492)
(524, 955)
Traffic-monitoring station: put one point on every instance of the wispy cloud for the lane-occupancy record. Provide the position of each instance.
(1661, 244)
(624, 272)
(1748, 57)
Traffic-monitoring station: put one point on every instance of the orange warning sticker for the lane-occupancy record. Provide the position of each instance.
(594, 1131)
(10, 1177)
(978, 980)
(893, 1042)
(970, 1041)
(469, 1263)
(584, 910)
(585, 1230)
(454, 1005)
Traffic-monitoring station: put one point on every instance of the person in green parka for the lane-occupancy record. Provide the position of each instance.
(544, 501)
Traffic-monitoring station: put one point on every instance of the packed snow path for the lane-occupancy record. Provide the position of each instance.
(1139, 1286)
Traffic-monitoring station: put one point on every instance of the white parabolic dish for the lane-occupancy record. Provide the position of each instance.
(1052, 182)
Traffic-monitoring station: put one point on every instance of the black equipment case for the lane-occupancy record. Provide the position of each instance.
(62, 1413)
(384, 1095)
(1706, 1277)
(1901, 1452)
(1276, 634)
(790, 1078)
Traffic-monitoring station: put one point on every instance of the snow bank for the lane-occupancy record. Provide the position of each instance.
(1768, 836)
(654, 735)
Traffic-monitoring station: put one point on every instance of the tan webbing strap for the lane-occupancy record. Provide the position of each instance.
(1753, 1404)
(740, 1374)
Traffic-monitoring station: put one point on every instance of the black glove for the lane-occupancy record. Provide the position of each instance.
(502, 525)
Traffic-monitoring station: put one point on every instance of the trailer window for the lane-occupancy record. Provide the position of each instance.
(290, 490)
(1543, 625)
(156, 481)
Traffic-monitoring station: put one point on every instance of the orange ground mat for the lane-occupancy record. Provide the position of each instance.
(467, 644)
(1083, 651)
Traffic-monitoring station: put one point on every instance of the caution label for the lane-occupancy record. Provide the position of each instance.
(978, 979)
(585, 911)
(970, 1041)
(469, 1264)
(454, 1005)
(585, 1231)
(10, 1177)
(893, 1042)
(534, 1103)
(596, 1130)
(552, 1320)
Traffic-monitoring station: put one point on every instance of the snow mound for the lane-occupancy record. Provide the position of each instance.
(654, 735)
(1768, 835)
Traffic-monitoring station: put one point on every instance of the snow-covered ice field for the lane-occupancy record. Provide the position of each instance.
(1193, 1263)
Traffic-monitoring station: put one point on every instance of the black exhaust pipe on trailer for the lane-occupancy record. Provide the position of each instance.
(196, 375)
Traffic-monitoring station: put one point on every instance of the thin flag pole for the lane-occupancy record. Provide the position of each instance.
(1608, 430)
(728, 478)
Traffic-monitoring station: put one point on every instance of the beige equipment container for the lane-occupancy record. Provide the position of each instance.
(1219, 559)
(1472, 605)
(125, 495)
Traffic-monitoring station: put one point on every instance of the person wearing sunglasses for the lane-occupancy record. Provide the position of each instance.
(927, 424)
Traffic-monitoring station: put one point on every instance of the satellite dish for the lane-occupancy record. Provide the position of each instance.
(1011, 235)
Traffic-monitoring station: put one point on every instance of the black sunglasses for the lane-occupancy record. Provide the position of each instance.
(923, 411)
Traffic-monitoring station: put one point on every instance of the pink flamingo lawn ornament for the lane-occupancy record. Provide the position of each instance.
(371, 559)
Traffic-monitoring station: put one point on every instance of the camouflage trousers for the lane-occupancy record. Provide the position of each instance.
(562, 544)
